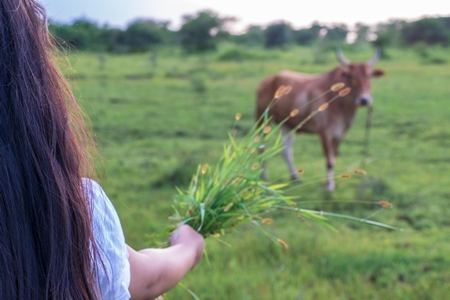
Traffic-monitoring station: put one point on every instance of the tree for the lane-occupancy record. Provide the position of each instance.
(82, 34)
(112, 39)
(307, 36)
(388, 34)
(362, 33)
(428, 30)
(336, 33)
(277, 35)
(198, 32)
(142, 34)
(254, 35)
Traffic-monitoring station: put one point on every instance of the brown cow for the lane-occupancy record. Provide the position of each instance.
(331, 124)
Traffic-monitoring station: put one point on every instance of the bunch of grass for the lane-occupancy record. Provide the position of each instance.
(230, 193)
(221, 197)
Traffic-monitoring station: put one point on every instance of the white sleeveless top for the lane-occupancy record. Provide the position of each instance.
(114, 276)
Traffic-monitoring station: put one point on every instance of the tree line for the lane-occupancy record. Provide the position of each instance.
(204, 30)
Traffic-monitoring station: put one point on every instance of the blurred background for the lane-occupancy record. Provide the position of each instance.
(199, 25)
(162, 80)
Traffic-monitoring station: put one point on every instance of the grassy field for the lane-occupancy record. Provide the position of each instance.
(156, 120)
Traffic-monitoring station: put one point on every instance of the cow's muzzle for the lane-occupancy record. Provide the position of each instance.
(364, 101)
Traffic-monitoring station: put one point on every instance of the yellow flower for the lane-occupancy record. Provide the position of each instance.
(360, 172)
(237, 116)
(279, 92)
(294, 113)
(204, 168)
(287, 89)
(266, 221)
(344, 92)
(323, 107)
(385, 204)
(228, 207)
(283, 243)
(282, 90)
(337, 86)
(255, 166)
(345, 175)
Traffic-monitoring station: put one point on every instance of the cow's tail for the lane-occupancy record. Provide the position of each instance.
(264, 97)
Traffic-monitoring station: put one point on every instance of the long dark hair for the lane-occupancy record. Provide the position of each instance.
(46, 242)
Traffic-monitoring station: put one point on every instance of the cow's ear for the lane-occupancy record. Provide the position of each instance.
(378, 73)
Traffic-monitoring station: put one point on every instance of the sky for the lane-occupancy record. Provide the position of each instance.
(300, 13)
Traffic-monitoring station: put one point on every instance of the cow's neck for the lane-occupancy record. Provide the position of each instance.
(347, 109)
(345, 106)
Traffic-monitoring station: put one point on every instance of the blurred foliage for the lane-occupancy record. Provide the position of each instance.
(205, 30)
(196, 34)
(430, 31)
(254, 36)
(307, 36)
(336, 33)
(142, 34)
(278, 35)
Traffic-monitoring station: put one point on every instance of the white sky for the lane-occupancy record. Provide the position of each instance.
(118, 13)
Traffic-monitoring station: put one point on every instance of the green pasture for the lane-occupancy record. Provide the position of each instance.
(156, 120)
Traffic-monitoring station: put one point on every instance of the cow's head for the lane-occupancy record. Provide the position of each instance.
(357, 76)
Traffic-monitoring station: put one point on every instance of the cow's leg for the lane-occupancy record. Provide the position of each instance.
(288, 153)
(328, 150)
(336, 143)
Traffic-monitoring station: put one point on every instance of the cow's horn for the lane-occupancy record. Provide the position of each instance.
(342, 59)
(375, 58)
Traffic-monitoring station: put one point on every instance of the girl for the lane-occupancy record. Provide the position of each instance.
(60, 237)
